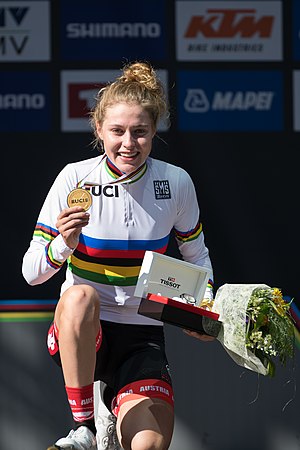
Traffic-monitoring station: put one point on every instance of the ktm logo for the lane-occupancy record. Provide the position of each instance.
(226, 23)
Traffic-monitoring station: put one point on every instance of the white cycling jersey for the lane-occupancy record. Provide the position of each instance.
(126, 219)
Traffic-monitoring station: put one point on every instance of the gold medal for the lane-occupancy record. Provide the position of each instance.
(80, 197)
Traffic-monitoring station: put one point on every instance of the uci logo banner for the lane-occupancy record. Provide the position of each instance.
(230, 100)
(231, 30)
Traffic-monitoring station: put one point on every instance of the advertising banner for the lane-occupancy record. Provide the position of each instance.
(24, 101)
(296, 30)
(296, 99)
(229, 31)
(78, 93)
(230, 100)
(113, 31)
(24, 31)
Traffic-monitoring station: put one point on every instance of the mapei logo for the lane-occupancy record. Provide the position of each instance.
(196, 101)
(24, 31)
(230, 100)
(236, 30)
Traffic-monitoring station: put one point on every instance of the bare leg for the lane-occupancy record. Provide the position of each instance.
(77, 319)
(145, 424)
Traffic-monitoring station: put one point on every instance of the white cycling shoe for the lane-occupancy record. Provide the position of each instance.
(105, 422)
(80, 439)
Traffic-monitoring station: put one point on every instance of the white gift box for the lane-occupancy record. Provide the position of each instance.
(171, 277)
(171, 291)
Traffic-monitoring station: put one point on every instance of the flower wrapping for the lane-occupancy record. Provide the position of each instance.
(231, 303)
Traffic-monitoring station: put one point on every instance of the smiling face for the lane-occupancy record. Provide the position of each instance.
(126, 131)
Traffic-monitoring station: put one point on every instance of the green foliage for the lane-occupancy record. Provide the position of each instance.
(270, 328)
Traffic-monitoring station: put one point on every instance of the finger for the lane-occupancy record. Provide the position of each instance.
(68, 211)
(72, 219)
(73, 222)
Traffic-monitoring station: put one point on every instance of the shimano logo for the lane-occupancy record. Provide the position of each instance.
(113, 30)
(22, 101)
(196, 101)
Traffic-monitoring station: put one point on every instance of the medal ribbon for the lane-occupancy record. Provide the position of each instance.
(125, 178)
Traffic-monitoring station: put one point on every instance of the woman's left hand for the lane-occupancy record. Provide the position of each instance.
(201, 337)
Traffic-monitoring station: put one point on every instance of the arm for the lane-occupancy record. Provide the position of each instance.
(190, 237)
(188, 229)
(56, 233)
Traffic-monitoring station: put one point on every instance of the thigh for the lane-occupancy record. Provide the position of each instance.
(133, 364)
(145, 423)
(144, 402)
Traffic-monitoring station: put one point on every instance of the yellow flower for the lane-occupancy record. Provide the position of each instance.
(279, 304)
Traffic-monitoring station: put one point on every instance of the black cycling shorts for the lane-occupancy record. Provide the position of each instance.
(128, 354)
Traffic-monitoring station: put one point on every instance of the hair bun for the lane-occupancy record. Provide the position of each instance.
(138, 84)
(143, 73)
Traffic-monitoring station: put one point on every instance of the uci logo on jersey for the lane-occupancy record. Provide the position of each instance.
(161, 189)
(107, 191)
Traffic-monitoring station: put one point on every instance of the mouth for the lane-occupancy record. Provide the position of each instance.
(128, 155)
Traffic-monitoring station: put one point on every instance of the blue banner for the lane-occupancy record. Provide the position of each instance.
(118, 30)
(230, 100)
(24, 101)
(296, 30)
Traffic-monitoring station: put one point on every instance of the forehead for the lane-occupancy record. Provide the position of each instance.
(127, 112)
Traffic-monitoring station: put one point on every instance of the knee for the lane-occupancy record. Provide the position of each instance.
(145, 424)
(79, 304)
(148, 440)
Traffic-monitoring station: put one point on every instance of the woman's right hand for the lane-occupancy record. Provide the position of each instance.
(70, 223)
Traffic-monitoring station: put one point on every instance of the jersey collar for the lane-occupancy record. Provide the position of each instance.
(121, 177)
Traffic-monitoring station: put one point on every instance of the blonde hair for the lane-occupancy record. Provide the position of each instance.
(138, 84)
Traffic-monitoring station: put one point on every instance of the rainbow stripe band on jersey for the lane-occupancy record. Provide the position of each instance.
(113, 262)
(189, 235)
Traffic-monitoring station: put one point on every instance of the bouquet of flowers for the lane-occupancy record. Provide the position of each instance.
(256, 326)
(270, 329)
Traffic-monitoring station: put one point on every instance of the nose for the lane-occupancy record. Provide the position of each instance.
(128, 140)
